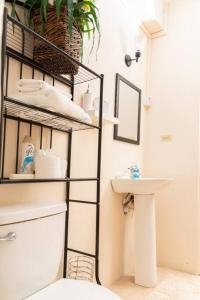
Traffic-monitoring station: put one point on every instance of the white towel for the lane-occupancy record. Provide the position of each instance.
(76, 111)
(30, 85)
(51, 98)
(38, 87)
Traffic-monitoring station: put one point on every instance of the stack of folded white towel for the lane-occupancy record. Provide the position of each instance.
(42, 94)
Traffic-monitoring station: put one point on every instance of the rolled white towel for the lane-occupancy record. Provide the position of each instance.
(30, 85)
(38, 87)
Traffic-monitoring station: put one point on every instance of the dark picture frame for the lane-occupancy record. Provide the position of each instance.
(120, 79)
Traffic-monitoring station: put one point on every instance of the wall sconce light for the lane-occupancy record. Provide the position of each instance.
(128, 59)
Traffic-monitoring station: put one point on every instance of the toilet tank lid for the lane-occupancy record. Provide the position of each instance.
(29, 211)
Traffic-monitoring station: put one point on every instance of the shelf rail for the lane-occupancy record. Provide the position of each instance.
(16, 42)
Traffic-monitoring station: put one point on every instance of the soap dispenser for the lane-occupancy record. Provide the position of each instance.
(135, 171)
(87, 100)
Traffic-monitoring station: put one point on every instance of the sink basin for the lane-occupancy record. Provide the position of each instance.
(141, 186)
(144, 224)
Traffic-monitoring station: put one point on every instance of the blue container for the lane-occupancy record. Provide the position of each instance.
(135, 172)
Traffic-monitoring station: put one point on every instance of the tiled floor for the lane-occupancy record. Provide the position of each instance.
(127, 290)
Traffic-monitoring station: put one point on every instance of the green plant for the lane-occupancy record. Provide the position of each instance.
(84, 12)
(87, 17)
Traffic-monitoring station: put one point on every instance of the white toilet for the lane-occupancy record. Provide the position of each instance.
(31, 247)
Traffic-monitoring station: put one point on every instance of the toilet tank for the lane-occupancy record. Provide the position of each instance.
(31, 247)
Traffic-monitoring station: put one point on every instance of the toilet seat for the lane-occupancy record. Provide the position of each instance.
(70, 289)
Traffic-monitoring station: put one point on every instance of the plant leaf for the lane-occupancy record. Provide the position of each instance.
(58, 6)
(91, 4)
(70, 11)
(44, 4)
(94, 15)
(93, 40)
(13, 11)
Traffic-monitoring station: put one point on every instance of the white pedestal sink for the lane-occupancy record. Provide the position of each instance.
(145, 233)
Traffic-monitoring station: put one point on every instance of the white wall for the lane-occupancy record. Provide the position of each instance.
(174, 88)
(146, 9)
(118, 31)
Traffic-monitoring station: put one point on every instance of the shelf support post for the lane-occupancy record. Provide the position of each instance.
(67, 202)
(68, 192)
(3, 56)
(98, 195)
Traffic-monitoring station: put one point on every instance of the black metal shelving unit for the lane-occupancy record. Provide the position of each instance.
(18, 45)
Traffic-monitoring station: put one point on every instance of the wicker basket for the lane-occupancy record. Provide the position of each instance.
(56, 32)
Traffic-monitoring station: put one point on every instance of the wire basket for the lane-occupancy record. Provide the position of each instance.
(81, 268)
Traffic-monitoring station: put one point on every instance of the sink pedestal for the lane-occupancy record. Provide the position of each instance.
(145, 241)
(143, 190)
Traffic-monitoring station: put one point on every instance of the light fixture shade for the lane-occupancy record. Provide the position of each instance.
(140, 41)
